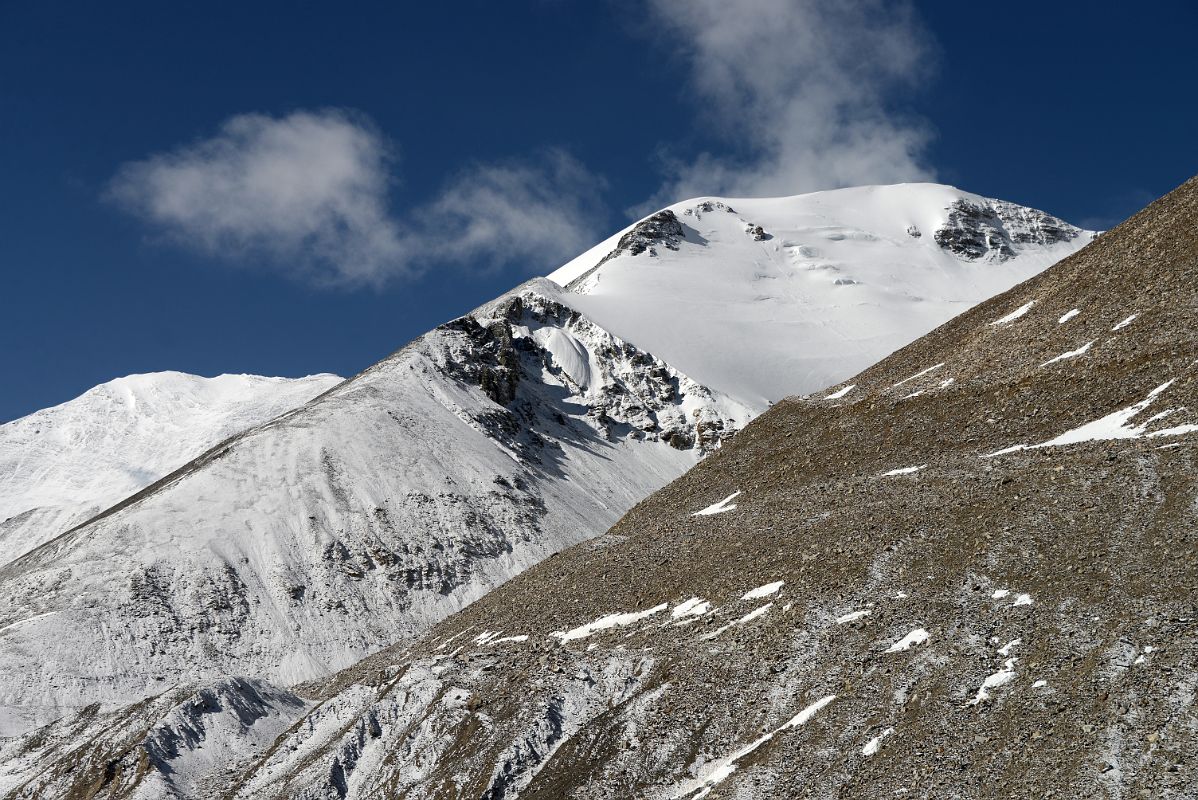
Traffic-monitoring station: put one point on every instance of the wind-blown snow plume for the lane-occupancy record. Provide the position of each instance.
(800, 89)
(308, 192)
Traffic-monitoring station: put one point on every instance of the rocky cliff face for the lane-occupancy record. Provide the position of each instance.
(968, 572)
(629, 392)
(992, 230)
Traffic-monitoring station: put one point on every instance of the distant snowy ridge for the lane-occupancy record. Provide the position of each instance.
(61, 465)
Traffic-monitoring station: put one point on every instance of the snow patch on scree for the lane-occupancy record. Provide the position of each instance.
(695, 607)
(993, 681)
(763, 591)
(915, 637)
(1005, 650)
(1116, 425)
(718, 508)
(517, 639)
(875, 744)
(1123, 324)
(752, 615)
(919, 374)
(842, 392)
(904, 471)
(610, 621)
(1016, 314)
(1081, 351)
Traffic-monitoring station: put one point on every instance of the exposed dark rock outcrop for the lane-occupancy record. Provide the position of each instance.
(993, 230)
(706, 207)
(659, 230)
(662, 229)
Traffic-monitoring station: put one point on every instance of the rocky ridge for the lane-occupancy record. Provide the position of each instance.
(661, 229)
(992, 230)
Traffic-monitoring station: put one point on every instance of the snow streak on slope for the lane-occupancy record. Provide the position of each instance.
(766, 298)
(302, 545)
(61, 465)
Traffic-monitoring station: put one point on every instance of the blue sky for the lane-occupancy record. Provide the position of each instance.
(288, 188)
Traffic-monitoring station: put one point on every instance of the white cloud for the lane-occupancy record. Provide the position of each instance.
(539, 212)
(798, 89)
(308, 193)
(793, 96)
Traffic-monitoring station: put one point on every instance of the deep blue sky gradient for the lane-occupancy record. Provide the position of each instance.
(1087, 111)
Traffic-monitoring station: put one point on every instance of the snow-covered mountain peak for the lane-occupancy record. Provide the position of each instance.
(815, 287)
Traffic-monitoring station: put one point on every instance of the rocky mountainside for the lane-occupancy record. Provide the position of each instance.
(298, 547)
(62, 465)
(969, 572)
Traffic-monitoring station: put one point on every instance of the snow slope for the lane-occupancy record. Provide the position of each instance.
(302, 545)
(62, 465)
(178, 744)
(766, 298)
